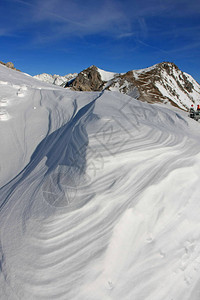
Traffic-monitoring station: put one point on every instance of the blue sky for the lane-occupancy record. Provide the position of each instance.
(61, 36)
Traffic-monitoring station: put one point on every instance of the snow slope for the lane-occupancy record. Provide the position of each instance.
(105, 75)
(99, 196)
(171, 87)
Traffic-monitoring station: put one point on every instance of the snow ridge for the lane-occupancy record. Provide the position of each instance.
(101, 198)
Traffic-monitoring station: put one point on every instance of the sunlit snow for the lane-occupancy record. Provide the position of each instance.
(105, 75)
(99, 196)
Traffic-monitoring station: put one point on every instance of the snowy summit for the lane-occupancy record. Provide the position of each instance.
(163, 82)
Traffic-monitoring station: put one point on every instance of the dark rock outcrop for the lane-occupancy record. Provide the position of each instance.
(87, 80)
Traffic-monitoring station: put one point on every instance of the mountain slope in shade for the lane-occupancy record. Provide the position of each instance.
(163, 82)
(99, 195)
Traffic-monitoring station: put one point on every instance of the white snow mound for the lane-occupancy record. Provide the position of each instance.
(99, 196)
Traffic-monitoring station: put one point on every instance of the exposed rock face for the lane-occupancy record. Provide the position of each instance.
(9, 65)
(163, 82)
(87, 80)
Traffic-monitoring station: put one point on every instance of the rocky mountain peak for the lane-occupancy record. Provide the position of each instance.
(87, 80)
(163, 82)
(174, 71)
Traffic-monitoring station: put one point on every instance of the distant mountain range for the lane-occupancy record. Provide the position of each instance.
(163, 82)
(56, 79)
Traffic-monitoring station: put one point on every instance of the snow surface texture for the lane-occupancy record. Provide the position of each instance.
(99, 197)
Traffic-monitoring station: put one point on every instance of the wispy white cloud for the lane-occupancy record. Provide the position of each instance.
(50, 20)
(61, 18)
(81, 17)
(125, 35)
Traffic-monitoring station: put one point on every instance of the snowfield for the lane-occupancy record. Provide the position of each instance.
(99, 196)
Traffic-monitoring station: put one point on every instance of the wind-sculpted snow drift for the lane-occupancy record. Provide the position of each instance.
(99, 198)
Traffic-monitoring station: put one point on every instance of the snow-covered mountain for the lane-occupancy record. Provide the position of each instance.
(56, 79)
(163, 82)
(99, 195)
